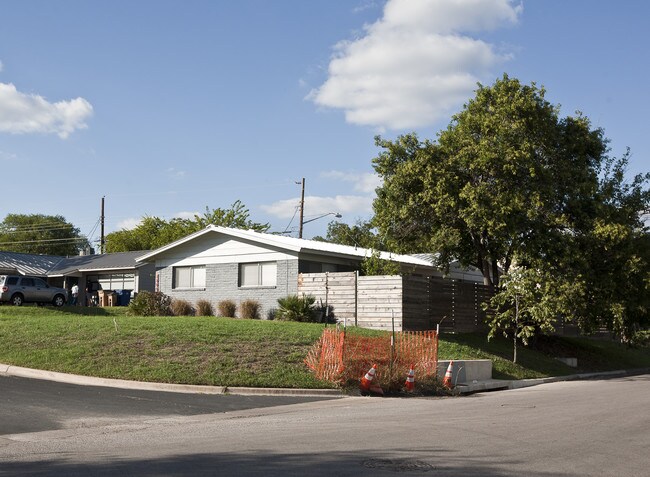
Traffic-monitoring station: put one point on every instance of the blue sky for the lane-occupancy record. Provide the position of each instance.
(166, 107)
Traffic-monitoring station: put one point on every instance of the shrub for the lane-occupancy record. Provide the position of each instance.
(148, 303)
(250, 309)
(204, 308)
(227, 308)
(374, 265)
(296, 308)
(182, 308)
(641, 339)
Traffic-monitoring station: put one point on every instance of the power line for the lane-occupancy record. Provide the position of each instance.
(38, 226)
(60, 240)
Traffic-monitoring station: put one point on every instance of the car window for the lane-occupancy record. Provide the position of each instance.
(27, 282)
(40, 283)
(12, 280)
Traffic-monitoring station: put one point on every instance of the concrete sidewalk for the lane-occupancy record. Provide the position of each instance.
(461, 388)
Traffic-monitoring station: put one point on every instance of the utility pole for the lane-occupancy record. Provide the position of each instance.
(102, 240)
(302, 207)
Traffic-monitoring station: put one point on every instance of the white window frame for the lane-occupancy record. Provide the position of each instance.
(113, 281)
(266, 274)
(197, 277)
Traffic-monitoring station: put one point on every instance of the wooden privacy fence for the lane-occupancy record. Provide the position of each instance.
(412, 303)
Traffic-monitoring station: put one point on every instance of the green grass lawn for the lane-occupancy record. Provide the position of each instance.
(104, 342)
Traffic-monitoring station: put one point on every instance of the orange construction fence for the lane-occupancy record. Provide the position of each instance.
(338, 357)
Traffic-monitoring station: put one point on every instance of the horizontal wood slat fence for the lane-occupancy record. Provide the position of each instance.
(414, 303)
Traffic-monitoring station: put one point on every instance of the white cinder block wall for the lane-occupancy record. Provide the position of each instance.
(222, 283)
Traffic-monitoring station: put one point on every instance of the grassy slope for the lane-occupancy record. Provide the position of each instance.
(221, 351)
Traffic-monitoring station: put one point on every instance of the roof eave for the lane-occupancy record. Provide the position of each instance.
(148, 256)
(243, 234)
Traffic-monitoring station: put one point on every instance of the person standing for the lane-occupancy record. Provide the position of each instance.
(75, 294)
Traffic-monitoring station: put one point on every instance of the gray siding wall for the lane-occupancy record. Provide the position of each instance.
(222, 283)
(147, 277)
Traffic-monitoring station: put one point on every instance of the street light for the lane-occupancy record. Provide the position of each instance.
(303, 222)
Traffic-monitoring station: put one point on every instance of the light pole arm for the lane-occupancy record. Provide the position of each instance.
(335, 214)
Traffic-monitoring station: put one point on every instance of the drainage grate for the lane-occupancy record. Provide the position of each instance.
(398, 465)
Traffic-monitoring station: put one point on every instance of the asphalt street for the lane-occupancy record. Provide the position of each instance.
(577, 428)
(33, 405)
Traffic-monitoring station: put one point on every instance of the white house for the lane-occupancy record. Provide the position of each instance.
(219, 263)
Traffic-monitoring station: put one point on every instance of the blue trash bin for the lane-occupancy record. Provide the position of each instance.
(123, 297)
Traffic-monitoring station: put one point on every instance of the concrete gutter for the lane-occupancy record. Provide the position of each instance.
(462, 388)
(18, 371)
(495, 384)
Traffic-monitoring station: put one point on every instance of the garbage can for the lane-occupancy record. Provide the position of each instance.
(123, 297)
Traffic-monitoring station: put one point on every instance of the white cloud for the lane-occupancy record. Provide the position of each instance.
(314, 206)
(22, 113)
(416, 64)
(366, 5)
(1, 66)
(174, 173)
(128, 224)
(7, 156)
(365, 182)
(185, 215)
(350, 205)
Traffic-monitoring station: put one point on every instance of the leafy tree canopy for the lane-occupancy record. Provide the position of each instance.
(361, 234)
(511, 182)
(40, 234)
(154, 232)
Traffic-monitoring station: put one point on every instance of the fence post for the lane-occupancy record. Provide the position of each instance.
(392, 344)
(356, 296)
(327, 290)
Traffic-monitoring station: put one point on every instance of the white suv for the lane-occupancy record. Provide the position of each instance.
(16, 289)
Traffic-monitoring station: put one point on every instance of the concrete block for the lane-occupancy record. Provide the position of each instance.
(573, 362)
(467, 371)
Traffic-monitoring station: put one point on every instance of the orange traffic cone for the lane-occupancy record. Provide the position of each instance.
(447, 381)
(410, 380)
(366, 381)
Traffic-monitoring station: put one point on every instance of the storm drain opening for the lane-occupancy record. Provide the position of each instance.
(398, 465)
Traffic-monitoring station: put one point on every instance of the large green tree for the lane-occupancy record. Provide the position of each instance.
(360, 234)
(504, 178)
(511, 182)
(154, 232)
(40, 234)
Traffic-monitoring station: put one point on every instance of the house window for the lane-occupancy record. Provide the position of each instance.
(258, 274)
(112, 281)
(189, 277)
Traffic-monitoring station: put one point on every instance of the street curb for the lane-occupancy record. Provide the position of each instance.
(494, 385)
(489, 385)
(67, 378)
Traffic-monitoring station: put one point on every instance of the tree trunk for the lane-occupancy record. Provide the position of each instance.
(514, 334)
(485, 269)
(495, 274)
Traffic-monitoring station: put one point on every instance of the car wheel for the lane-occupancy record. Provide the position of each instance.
(17, 300)
(59, 300)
